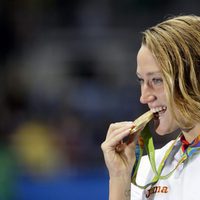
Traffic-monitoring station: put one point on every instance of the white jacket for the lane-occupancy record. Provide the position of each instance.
(183, 184)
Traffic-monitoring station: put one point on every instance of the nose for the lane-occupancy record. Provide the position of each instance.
(147, 95)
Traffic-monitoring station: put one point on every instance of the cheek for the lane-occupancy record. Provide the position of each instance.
(160, 91)
(166, 124)
(162, 97)
(166, 127)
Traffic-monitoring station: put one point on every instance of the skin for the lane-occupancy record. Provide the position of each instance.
(120, 157)
(152, 89)
(153, 94)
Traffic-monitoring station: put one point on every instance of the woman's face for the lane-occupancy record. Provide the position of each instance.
(152, 91)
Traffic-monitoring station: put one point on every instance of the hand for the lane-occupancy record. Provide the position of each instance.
(120, 155)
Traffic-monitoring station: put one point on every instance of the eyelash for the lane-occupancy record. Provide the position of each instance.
(157, 81)
(140, 80)
(153, 81)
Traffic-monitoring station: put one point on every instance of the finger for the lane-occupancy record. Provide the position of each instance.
(118, 125)
(131, 146)
(132, 138)
(127, 138)
(118, 129)
(120, 147)
(115, 139)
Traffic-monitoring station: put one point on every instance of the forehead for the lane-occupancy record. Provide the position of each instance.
(146, 63)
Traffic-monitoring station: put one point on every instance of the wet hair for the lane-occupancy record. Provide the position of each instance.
(175, 44)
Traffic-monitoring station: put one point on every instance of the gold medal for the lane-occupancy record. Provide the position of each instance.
(141, 121)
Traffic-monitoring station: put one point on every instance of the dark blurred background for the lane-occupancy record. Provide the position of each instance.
(67, 70)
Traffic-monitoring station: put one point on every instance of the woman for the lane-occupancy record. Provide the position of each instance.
(168, 69)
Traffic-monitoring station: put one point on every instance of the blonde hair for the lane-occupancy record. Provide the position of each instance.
(175, 43)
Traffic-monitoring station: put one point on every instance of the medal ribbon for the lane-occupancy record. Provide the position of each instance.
(146, 141)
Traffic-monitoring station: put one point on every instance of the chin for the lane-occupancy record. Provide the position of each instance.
(164, 128)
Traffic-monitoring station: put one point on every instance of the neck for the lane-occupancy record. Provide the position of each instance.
(191, 134)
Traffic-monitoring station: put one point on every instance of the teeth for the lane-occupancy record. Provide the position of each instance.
(158, 109)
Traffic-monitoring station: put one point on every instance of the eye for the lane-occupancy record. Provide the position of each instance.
(140, 80)
(157, 81)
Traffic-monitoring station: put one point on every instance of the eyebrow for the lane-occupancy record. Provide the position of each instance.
(151, 73)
